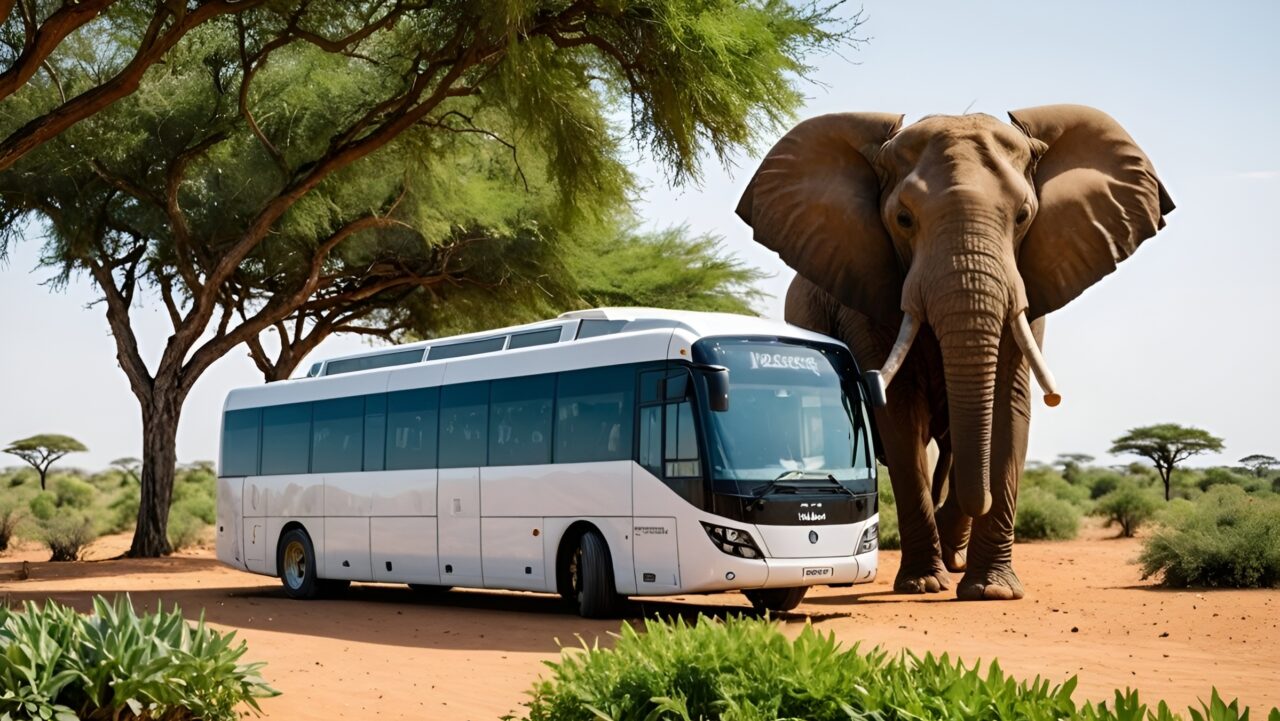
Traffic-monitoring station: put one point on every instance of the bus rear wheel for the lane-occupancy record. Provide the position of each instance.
(591, 578)
(296, 560)
(775, 599)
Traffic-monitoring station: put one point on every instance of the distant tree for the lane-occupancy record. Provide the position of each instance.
(287, 171)
(129, 466)
(1259, 463)
(41, 451)
(1067, 460)
(1166, 445)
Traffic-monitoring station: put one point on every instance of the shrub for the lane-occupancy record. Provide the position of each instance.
(71, 492)
(1052, 482)
(66, 534)
(1227, 538)
(124, 510)
(59, 664)
(890, 539)
(1129, 507)
(1042, 516)
(10, 516)
(43, 506)
(746, 669)
(184, 528)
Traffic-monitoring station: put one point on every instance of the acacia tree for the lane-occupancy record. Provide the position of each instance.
(1166, 445)
(278, 168)
(41, 451)
(1259, 463)
(33, 31)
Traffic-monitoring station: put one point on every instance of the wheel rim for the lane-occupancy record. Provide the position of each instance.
(295, 564)
(575, 574)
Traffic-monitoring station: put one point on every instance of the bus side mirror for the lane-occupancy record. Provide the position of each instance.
(875, 388)
(717, 387)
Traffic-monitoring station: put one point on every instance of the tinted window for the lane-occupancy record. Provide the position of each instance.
(411, 428)
(286, 438)
(457, 350)
(464, 425)
(520, 421)
(593, 327)
(337, 435)
(375, 432)
(651, 439)
(537, 337)
(593, 415)
(682, 441)
(240, 442)
(382, 360)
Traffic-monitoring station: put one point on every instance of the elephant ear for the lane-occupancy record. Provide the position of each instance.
(815, 200)
(1099, 199)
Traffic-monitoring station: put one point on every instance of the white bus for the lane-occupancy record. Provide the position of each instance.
(603, 454)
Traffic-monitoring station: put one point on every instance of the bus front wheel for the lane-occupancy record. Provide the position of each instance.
(591, 576)
(775, 599)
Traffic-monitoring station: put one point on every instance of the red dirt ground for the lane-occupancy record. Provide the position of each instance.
(473, 655)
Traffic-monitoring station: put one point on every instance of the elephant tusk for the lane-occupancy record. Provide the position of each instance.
(1027, 342)
(906, 334)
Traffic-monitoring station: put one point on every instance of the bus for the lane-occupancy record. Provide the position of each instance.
(604, 454)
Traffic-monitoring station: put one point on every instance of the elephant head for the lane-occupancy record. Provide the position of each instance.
(965, 223)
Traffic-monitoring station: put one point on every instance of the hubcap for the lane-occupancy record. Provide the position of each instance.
(295, 564)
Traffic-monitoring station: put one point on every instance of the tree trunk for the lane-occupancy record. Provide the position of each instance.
(159, 462)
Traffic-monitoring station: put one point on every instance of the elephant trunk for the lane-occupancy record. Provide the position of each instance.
(969, 307)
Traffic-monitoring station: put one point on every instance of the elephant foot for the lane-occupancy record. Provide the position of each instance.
(998, 583)
(955, 559)
(928, 580)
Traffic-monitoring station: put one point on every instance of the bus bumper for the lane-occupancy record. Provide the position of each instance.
(791, 572)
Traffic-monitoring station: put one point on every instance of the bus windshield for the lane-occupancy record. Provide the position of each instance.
(788, 412)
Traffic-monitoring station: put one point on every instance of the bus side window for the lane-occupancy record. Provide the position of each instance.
(651, 439)
(681, 448)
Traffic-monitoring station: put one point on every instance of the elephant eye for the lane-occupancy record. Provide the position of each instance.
(1023, 213)
(904, 219)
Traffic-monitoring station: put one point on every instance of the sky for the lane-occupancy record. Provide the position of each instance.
(1186, 331)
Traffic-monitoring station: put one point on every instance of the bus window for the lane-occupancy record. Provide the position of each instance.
(464, 425)
(412, 416)
(337, 435)
(286, 439)
(594, 410)
(375, 431)
(240, 442)
(681, 452)
(520, 421)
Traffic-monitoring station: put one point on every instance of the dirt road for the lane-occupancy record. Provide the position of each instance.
(473, 655)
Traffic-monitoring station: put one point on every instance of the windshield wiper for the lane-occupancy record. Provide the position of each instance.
(796, 481)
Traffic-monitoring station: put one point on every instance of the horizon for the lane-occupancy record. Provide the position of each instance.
(1194, 349)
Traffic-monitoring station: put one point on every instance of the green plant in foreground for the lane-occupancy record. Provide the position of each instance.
(114, 664)
(744, 669)
(1227, 538)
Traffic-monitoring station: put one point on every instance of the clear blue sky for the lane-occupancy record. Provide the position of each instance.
(1185, 331)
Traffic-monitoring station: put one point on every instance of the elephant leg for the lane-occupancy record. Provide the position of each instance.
(905, 451)
(989, 574)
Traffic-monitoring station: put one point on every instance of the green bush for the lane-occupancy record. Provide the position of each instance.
(43, 505)
(1225, 476)
(56, 663)
(1042, 516)
(747, 670)
(1129, 507)
(123, 511)
(890, 539)
(66, 534)
(1227, 538)
(10, 516)
(1053, 483)
(185, 529)
(71, 492)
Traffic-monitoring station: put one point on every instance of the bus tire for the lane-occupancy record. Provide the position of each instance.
(296, 561)
(592, 570)
(775, 599)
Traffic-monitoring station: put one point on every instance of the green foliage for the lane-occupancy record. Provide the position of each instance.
(1225, 476)
(40, 451)
(1166, 445)
(71, 492)
(1227, 538)
(66, 534)
(1128, 506)
(185, 529)
(890, 538)
(744, 669)
(1058, 485)
(58, 664)
(43, 505)
(11, 514)
(1042, 516)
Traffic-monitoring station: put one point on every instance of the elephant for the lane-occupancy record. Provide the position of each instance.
(934, 252)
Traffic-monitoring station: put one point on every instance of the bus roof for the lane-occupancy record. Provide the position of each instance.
(574, 340)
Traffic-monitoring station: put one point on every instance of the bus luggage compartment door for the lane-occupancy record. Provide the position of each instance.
(458, 525)
(657, 561)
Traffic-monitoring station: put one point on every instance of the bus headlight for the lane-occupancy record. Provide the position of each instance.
(870, 539)
(733, 541)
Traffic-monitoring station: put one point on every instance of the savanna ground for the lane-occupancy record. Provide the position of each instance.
(381, 652)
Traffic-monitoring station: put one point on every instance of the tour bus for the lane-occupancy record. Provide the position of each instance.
(603, 454)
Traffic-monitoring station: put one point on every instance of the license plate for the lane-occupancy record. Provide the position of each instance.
(824, 572)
